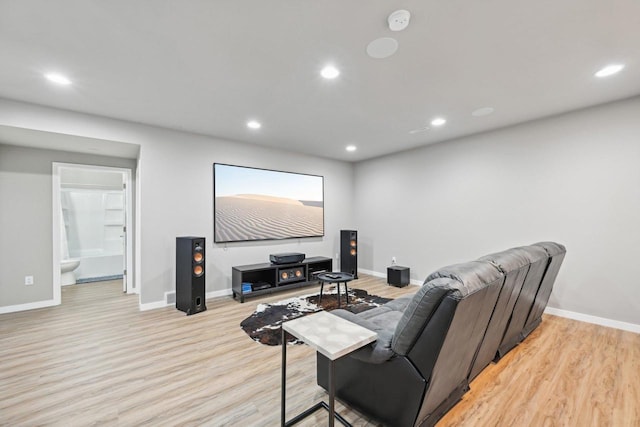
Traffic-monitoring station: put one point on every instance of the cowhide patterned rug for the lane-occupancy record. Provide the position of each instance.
(263, 325)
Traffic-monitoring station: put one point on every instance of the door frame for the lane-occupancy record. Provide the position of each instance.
(129, 284)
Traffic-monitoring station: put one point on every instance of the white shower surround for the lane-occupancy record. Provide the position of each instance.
(94, 218)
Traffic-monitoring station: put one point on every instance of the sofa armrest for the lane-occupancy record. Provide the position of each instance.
(376, 352)
(354, 318)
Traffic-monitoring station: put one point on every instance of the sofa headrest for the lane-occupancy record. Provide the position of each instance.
(418, 312)
(552, 248)
(471, 276)
(512, 259)
(533, 253)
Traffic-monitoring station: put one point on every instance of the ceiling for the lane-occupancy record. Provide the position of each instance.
(210, 66)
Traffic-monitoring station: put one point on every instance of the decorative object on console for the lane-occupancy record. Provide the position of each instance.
(190, 274)
(263, 325)
(251, 203)
(349, 252)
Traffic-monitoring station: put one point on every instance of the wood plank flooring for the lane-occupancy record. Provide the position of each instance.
(97, 360)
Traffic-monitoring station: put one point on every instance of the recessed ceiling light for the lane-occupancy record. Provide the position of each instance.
(330, 72)
(252, 124)
(351, 148)
(609, 70)
(382, 48)
(438, 121)
(58, 78)
(483, 111)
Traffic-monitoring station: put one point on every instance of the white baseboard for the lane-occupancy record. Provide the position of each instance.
(384, 276)
(152, 305)
(28, 306)
(162, 304)
(616, 324)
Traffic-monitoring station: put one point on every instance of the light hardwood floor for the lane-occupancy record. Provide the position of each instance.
(97, 360)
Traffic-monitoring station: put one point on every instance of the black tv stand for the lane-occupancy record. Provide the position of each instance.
(258, 276)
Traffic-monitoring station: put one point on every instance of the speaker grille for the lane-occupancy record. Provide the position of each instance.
(293, 274)
(198, 270)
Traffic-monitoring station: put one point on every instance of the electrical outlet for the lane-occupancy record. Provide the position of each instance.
(28, 280)
(393, 260)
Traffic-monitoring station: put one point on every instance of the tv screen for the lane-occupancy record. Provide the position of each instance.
(262, 204)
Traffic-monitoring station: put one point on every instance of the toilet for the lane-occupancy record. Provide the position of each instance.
(67, 265)
(67, 276)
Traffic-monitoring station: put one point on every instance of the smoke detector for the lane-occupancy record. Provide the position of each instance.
(399, 20)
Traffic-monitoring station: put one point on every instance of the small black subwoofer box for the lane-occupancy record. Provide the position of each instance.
(190, 266)
(398, 276)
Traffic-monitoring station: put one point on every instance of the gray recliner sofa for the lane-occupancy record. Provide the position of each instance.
(433, 343)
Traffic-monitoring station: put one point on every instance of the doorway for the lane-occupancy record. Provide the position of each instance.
(92, 225)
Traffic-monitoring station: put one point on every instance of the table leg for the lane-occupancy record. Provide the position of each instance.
(284, 378)
(338, 289)
(346, 292)
(321, 288)
(331, 408)
(332, 392)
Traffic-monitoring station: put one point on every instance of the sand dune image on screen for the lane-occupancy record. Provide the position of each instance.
(258, 217)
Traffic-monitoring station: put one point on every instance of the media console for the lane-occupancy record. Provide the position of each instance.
(259, 279)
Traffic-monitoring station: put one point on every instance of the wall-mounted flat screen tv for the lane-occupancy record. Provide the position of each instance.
(262, 204)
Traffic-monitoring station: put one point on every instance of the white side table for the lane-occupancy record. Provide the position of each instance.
(332, 336)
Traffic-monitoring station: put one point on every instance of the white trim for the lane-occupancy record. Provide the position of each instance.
(384, 276)
(137, 259)
(631, 327)
(153, 305)
(56, 207)
(162, 304)
(28, 306)
(56, 211)
(128, 262)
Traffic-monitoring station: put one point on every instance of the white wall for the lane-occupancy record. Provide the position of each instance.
(175, 188)
(573, 179)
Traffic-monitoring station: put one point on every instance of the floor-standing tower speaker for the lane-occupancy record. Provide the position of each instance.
(190, 262)
(349, 252)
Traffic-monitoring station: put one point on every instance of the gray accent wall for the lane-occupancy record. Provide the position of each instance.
(574, 179)
(26, 225)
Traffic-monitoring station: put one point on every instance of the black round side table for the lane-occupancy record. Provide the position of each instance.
(337, 278)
